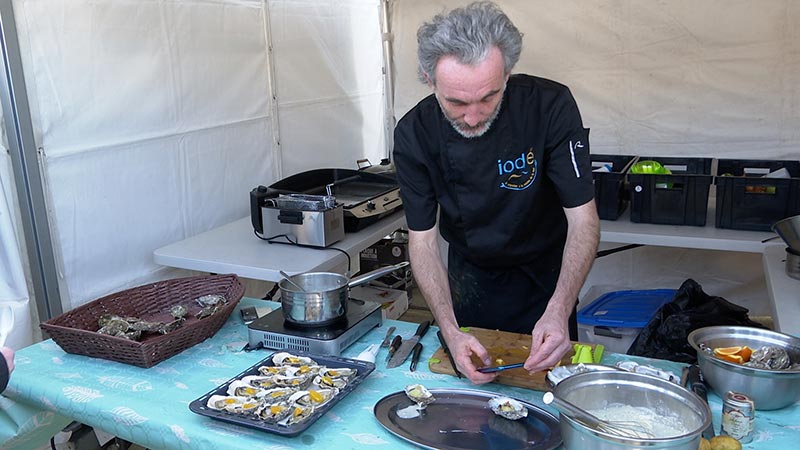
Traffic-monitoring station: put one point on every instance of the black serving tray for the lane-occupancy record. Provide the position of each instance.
(362, 367)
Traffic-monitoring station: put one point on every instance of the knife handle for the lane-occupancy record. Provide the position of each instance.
(388, 337)
(415, 356)
(446, 350)
(422, 329)
(394, 346)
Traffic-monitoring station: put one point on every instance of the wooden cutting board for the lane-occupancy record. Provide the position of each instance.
(511, 348)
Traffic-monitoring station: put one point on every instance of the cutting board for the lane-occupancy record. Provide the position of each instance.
(511, 348)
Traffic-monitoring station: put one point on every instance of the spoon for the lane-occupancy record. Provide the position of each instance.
(288, 278)
(6, 322)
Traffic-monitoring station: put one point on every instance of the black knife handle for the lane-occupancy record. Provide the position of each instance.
(447, 352)
(394, 346)
(415, 356)
(422, 329)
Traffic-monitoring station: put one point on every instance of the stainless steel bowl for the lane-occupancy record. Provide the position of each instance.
(769, 389)
(594, 390)
(789, 230)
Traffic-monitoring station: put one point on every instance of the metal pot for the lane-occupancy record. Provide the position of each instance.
(596, 390)
(324, 297)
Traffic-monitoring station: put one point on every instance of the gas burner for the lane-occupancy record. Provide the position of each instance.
(274, 332)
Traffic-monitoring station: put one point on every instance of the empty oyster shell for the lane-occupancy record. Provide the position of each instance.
(508, 408)
(770, 358)
(419, 394)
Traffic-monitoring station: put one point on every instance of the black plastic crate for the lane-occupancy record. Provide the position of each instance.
(747, 200)
(610, 191)
(677, 199)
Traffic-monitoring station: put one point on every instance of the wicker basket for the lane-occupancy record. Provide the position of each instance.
(76, 331)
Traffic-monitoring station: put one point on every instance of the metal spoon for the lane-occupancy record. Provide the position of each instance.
(288, 278)
(6, 322)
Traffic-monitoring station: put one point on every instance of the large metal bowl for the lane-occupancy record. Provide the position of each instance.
(769, 389)
(789, 230)
(595, 390)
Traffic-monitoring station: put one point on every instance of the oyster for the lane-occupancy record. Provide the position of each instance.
(113, 325)
(210, 304)
(287, 359)
(299, 413)
(274, 412)
(341, 373)
(326, 382)
(508, 408)
(770, 358)
(313, 397)
(232, 404)
(419, 394)
(293, 381)
(178, 311)
(275, 395)
(260, 382)
(239, 388)
(275, 370)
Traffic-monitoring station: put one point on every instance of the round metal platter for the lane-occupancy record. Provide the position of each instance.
(460, 419)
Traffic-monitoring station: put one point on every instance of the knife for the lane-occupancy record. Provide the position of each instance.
(415, 356)
(500, 368)
(447, 352)
(388, 337)
(692, 379)
(402, 353)
(394, 346)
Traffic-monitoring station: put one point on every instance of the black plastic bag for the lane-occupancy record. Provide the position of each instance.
(665, 336)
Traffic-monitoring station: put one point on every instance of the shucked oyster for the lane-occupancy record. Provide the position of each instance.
(287, 359)
(232, 404)
(313, 397)
(274, 412)
(508, 408)
(419, 394)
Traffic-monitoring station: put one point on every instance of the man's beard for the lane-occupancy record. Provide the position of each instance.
(472, 132)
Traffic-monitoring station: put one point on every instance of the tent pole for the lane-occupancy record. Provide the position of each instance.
(27, 172)
(388, 77)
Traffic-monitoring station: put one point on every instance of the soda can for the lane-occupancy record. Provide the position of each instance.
(738, 415)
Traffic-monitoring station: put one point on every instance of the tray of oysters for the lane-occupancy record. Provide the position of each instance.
(284, 393)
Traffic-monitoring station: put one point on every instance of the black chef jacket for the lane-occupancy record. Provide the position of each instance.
(500, 195)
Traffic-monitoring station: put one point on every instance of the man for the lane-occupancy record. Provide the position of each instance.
(504, 160)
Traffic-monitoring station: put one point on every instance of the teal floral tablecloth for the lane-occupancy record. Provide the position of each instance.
(150, 406)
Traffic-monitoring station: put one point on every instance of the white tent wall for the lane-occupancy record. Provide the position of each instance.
(329, 76)
(717, 78)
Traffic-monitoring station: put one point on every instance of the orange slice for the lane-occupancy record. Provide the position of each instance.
(738, 354)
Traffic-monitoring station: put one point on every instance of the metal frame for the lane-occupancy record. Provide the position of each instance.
(27, 173)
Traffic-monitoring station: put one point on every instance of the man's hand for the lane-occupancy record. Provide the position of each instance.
(462, 347)
(549, 342)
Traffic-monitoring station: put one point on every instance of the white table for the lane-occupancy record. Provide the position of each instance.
(233, 248)
(708, 237)
(784, 291)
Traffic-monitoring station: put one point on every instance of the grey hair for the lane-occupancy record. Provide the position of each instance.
(467, 33)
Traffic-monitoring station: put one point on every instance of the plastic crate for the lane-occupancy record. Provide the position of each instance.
(615, 319)
(677, 199)
(610, 192)
(747, 200)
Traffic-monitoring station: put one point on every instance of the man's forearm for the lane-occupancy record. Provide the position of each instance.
(580, 249)
(431, 277)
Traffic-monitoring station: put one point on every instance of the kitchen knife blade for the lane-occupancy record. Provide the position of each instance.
(394, 346)
(402, 353)
(415, 356)
(446, 350)
(500, 368)
(388, 337)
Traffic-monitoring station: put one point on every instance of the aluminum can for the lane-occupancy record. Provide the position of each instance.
(738, 415)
